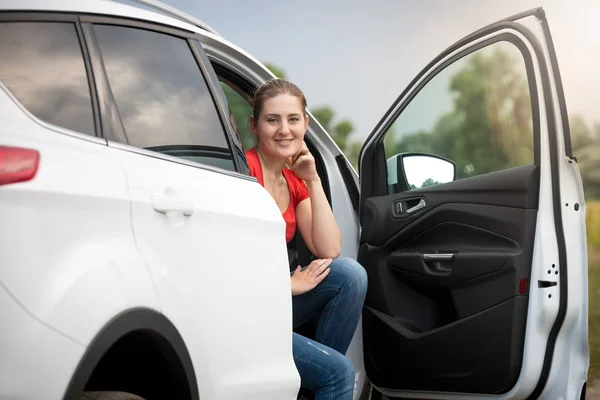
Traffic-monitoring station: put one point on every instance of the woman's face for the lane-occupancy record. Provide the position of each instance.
(281, 126)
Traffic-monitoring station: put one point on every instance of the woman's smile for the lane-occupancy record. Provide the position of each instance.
(284, 142)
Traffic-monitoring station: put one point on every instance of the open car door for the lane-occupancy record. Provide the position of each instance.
(473, 227)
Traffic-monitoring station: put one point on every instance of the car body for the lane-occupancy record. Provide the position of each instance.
(136, 254)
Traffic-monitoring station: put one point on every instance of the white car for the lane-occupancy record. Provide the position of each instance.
(133, 241)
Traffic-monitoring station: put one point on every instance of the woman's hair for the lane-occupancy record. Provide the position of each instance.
(273, 88)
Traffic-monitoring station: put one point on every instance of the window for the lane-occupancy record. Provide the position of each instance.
(162, 97)
(240, 111)
(41, 63)
(476, 112)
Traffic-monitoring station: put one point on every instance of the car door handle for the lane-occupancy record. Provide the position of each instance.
(419, 206)
(164, 204)
(438, 257)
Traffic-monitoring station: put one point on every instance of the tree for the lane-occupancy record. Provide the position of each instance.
(352, 152)
(493, 106)
(342, 130)
(278, 72)
(489, 127)
(339, 132)
(429, 182)
(241, 111)
(324, 115)
(585, 143)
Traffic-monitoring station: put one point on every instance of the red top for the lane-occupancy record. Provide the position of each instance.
(297, 188)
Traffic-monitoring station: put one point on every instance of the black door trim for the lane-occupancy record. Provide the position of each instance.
(559, 86)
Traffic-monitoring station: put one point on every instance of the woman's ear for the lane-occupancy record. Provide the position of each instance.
(253, 126)
(305, 122)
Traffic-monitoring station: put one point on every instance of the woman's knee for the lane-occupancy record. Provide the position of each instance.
(322, 368)
(351, 272)
(342, 373)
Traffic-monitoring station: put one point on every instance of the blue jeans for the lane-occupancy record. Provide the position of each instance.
(337, 304)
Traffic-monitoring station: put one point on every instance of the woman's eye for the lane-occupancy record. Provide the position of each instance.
(272, 120)
(294, 119)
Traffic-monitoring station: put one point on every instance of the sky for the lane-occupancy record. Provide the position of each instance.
(357, 56)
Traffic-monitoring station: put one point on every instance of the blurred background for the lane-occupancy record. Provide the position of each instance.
(353, 59)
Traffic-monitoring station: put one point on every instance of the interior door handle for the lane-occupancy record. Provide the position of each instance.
(164, 204)
(438, 257)
(419, 206)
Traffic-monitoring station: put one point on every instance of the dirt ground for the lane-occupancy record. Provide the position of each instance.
(593, 391)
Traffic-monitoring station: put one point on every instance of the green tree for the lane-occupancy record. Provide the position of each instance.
(324, 115)
(429, 182)
(493, 113)
(240, 110)
(489, 127)
(278, 72)
(353, 151)
(340, 132)
(585, 143)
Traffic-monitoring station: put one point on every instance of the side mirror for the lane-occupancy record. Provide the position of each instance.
(408, 171)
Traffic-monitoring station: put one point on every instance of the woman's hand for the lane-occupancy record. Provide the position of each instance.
(304, 281)
(304, 165)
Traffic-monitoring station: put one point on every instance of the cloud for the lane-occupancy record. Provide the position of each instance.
(43, 67)
(159, 89)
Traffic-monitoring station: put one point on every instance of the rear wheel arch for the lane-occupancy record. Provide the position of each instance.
(126, 352)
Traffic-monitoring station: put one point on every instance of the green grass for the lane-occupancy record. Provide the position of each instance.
(594, 318)
(593, 233)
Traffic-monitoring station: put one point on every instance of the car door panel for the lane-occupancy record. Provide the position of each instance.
(462, 318)
(514, 188)
(486, 368)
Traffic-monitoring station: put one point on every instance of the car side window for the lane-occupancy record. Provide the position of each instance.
(162, 96)
(42, 64)
(475, 113)
(240, 110)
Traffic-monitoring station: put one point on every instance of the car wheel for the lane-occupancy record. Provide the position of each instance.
(109, 396)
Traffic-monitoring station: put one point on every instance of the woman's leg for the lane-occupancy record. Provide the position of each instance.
(337, 301)
(324, 371)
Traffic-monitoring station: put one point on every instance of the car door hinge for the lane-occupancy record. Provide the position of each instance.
(546, 284)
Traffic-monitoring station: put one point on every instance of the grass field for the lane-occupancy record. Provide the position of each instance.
(593, 236)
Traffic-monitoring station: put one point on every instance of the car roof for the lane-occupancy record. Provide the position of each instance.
(108, 8)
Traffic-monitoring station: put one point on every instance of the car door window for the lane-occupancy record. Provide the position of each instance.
(476, 112)
(41, 63)
(162, 96)
(240, 112)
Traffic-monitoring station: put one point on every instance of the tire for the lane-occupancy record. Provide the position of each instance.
(109, 396)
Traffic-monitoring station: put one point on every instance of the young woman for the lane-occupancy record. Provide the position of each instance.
(330, 289)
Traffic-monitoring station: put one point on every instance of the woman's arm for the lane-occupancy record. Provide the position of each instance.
(316, 222)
